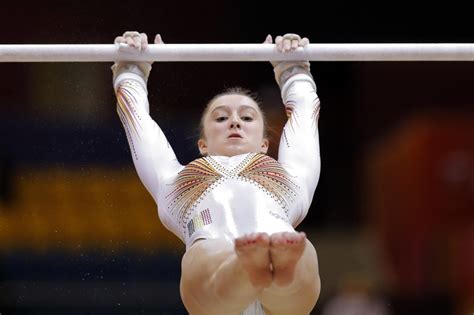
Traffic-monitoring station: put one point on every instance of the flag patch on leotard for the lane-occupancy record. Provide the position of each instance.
(201, 219)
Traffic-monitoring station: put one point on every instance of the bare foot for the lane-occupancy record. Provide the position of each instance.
(253, 251)
(286, 249)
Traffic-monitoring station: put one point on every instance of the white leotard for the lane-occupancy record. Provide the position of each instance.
(219, 196)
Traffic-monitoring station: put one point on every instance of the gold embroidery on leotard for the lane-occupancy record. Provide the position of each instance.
(202, 175)
(126, 108)
(189, 187)
(270, 175)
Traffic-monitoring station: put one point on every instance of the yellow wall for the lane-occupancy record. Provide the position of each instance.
(76, 209)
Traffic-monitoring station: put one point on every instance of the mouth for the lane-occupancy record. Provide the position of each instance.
(234, 136)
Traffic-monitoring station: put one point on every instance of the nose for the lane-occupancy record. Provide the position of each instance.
(234, 122)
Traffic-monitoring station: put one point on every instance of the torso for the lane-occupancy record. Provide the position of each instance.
(221, 196)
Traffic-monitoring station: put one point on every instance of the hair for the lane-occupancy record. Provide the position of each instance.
(234, 91)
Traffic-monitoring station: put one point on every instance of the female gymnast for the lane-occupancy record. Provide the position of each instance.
(235, 208)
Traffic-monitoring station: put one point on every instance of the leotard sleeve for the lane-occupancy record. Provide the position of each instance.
(299, 144)
(153, 157)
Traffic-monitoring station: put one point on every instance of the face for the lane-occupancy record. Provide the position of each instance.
(233, 125)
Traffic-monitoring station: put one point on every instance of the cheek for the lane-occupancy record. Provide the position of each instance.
(257, 129)
(212, 129)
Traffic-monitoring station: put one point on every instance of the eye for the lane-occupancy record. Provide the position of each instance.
(247, 118)
(221, 119)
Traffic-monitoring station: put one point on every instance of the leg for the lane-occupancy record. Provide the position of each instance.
(296, 284)
(220, 277)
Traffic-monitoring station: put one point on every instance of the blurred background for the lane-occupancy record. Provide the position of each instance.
(392, 218)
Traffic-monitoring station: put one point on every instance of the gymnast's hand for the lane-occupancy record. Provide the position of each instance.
(288, 43)
(135, 42)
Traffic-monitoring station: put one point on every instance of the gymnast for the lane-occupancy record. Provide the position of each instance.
(235, 208)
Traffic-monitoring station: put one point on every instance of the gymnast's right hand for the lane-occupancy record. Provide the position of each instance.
(133, 42)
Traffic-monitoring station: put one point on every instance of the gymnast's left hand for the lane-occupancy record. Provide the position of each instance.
(134, 42)
(288, 43)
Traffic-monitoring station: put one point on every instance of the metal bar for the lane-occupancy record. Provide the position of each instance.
(237, 52)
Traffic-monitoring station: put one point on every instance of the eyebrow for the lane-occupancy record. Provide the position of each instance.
(227, 107)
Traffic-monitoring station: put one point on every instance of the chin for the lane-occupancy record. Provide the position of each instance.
(234, 151)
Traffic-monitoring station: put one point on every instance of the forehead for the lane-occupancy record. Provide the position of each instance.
(233, 101)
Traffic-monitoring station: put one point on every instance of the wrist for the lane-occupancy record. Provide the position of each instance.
(286, 70)
(141, 69)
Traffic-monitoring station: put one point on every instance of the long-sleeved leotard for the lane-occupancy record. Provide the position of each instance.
(219, 196)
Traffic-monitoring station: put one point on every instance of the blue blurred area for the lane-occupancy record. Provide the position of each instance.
(39, 143)
(91, 265)
(90, 282)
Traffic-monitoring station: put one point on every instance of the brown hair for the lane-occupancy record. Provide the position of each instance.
(234, 91)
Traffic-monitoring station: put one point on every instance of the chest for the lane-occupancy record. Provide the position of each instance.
(250, 172)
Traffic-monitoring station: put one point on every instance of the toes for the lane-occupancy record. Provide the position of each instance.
(252, 238)
(284, 239)
(296, 238)
(239, 242)
(263, 237)
(302, 236)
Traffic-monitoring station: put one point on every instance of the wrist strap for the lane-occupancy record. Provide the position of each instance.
(284, 70)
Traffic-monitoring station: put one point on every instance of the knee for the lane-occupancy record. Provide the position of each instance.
(311, 271)
(310, 257)
(191, 282)
(198, 266)
(316, 281)
(317, 289)
(190, 301)
(193, 289)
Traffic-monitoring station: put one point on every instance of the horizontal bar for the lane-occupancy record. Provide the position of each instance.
(237, 52)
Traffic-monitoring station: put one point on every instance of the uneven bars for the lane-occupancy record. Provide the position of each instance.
(237, 52)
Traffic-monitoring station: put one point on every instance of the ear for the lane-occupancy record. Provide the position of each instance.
(202, 145)
(264, 146)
